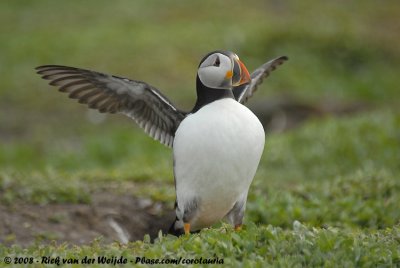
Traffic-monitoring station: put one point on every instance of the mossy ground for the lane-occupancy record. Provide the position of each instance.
(326, 193)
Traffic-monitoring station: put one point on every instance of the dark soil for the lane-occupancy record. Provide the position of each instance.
(282, 113)
(112, 217)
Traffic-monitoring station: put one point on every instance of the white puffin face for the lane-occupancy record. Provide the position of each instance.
(216, 71)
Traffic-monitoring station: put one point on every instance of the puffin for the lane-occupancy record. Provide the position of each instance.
(217, 146)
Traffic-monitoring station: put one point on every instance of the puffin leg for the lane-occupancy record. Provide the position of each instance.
(236, 214)
(189, 213)
(238, 227)
(186, 227)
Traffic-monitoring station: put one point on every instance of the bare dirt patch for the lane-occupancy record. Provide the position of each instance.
(113, 217)
(282, 113)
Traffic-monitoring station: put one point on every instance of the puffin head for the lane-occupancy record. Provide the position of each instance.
(222, 70)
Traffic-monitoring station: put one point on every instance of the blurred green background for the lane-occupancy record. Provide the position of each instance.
(339, 51)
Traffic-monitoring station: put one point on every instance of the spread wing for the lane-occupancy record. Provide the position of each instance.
(244, 92)
(151, 110)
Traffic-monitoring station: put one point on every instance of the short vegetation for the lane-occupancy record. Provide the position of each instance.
(326, 193)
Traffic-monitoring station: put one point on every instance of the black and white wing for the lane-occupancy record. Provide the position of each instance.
(243, 92)
(151, 110)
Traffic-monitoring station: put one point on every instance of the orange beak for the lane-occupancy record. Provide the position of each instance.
(244, 74)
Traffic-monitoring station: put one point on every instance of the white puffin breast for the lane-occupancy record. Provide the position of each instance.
(216, 152)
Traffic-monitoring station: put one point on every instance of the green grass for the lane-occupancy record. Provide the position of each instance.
(325, 194)
(350, 216)
(255, 246)
(338, 172)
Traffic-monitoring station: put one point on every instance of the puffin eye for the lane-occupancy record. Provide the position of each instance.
(217, 62)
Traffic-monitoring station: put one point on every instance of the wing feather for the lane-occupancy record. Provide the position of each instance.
(148, 107)
(244, 92)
